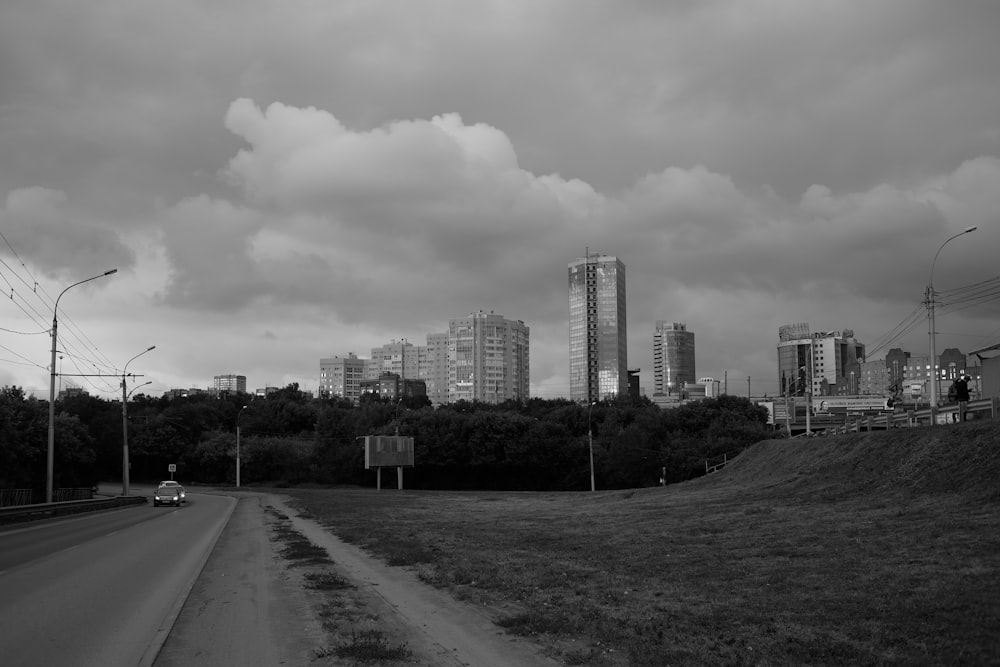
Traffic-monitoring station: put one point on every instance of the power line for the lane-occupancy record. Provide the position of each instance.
(73, 338)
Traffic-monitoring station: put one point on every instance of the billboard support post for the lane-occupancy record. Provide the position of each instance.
(388, 451)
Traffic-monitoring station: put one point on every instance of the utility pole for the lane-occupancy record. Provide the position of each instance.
(50, 453)
(238, 444)
(125, 462)
(590, 442)
(809, 402)
(931, 333)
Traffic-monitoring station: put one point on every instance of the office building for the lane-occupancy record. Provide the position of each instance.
(918, 374)
(952, 364)
(896, 360)
(598, 365)
(820, 363)
(874, 378)
(673, 357)
(488, 359)
(230, 383)
(711, 386)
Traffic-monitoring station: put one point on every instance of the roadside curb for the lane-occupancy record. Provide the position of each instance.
(153, 650)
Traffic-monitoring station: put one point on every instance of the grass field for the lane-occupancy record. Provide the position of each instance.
(857, 549)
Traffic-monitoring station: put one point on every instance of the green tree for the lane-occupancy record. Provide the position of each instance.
(74, 460)
(23, 439)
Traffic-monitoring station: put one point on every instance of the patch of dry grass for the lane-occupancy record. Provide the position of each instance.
(296, 548)
(857, 549)
(343, 613)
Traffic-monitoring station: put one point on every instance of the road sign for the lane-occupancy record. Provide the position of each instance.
(171, 467)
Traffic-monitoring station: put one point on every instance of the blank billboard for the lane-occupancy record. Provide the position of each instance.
(383, 451)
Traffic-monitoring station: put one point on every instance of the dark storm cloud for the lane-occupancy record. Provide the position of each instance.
(39, 226)
(337, 174)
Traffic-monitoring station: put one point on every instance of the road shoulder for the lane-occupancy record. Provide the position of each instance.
(241, 609)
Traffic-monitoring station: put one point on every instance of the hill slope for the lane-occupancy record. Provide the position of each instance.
(874, 549)
(960, 459)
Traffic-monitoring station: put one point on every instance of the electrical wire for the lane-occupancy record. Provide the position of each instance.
(29, 296)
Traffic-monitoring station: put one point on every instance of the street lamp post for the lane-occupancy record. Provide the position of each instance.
(238, 444)
(789, 406)
(590, 442)
(125, 465)
(809, 388)
(50, 455)
(931, 334)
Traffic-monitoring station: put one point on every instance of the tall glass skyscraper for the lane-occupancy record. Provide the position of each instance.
(673, 357)
(598, 338)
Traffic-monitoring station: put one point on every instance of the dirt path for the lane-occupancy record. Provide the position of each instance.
(249, 607)
(440, 629)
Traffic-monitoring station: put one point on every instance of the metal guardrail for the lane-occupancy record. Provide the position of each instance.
(987, 407)
(717, 465)
(23, 513)
(10, 497)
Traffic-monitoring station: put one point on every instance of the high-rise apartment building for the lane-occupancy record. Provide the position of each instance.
(342, 376)
(598, 341)
(231, 383)
(433, 361)
(488, 359)
(399, 357)
(483, 357)
(673, 357)
(410, 362)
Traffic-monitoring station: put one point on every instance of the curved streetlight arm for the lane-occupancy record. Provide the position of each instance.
(952, 238)
(50, 454)
(86, 280)
(148, 349)
(137, 386)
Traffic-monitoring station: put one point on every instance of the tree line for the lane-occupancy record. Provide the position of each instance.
(290, 438)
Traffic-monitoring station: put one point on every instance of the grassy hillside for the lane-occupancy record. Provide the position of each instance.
(878, 548)
(961, 459)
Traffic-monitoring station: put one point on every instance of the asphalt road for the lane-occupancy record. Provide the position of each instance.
(105, 588)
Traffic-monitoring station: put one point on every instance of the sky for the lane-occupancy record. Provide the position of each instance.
(278, 182)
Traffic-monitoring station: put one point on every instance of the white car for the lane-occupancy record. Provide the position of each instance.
(171, 484)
